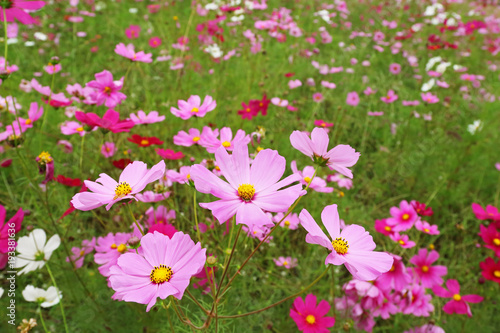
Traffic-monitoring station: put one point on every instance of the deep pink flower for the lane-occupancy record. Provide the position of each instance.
(250, 190)
(128, 51)
(490, 270)
(459, 303)
(106, 91)
(382, 227)
(16, 220)
(106, 191)
(14, 10)
(109, 121)
(162, 267)
(352, 247)
(396, 278)
(390, 97)
(421, 208)
(169, 154)
(403, 217)
(395, 68)
(429, 98)
(322, 123)
(416, 302)
(159, 216)
(248, 111)
(193, 107)
(338, 158)
(133, 31)
(309, 317)
(56, 100)
(154, 42)
(491, 236)
(490, 213)
(428, 275)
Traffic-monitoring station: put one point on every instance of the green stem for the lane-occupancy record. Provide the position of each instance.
(196, 217)
(135, 221)
(41, 317)
(283, 300)
(5, 34)
(60, 301)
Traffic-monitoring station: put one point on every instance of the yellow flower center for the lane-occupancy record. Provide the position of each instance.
(122, 248)
(285, 263)
(113, 246)
(402, 242)
(497, 274)
(457, 297)
(425, 269)
(44, 158)
(387, 228)
(226, 144)
(246, 192)
(406, 217)
(310, 319)
(188, 176)
(107, 90)
(175, 18)
(340, 245)
(28, 122)
(307, 179)
(259, 148)
(194, 110)
(393, 268)
(248, 110)
(196, 139)
(82, 253)
(496, 241)
(121, 190)
(431, 246)
(287, 223)
(426, 230)
(79, 129)
(144, 142)
(160, 274)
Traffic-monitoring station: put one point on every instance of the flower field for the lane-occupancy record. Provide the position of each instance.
(249, 166)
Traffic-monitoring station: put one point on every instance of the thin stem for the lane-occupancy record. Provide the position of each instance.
(135, 221)
(196, 217)
(41, 319)
(196, 302)
(185, 321)
(283, 300)
(60, 301)
(5, 38)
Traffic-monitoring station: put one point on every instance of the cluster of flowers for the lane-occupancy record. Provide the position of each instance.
(490, 235)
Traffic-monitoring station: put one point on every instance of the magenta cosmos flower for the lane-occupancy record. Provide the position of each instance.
(109, 121)
(428, 275)
(339, 158)
(403, 218)
(106, 191)
(12, 226)
(250, 190)
(193, 107)
(458, 304)
(352, 247)
(14, 10)
(106, 91)
(162, 267)
(309, 317)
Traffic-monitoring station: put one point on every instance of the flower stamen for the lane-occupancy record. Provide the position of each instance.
(161, 274)
(121, 190)
(340, 245)
(246, 192)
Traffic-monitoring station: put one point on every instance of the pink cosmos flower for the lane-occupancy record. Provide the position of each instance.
(382, 227)
(193, 107)
(322, 123)
(109, 249)
(426, 227)
(369, 91)
(459, 303)
(128, 51)
(106, 191)
(80, 253)
(79, 93)
(352, 247)
(396, 278)
(428, 275)
(154, 42)
(317, 184)
(169, 154)
(159, 216)
(338, 158)
(181, 177)
(211, 143)
(341, 180)
(150, 196)
(72, 127)
(106, 91)
(427, 328)
(490, 269)
(375, 113)
(34, 113)
(291, 222)
(403, 217)
(403, 240)
(109, 121)
(292, 84)
(279, 102)
(395, 68)
(410, 103)
(429, 98)
(162, 267)
(309, 317)
(108, 149)
(55, 100)
(318, 97)
(188, 139)
(352, 98)
(491, 236)
(14, 221)
(490, 213)
(52, 69)
(133, 31)
(14, 11)
(390, 97)
(143, 118)
(329, 85)
(250, 190)
(416, 302)
(287, 262)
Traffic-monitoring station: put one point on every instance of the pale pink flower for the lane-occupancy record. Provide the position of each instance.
(52, 69)
(390, 97)
(287, 262)
(290, 222)
(369, 91)
(108, 149)
(188, 139)
(143, 118)
(279, 102)
(128, 51)
(316, 183)
(292, 84)
(318, 97)
(338, 158)
(352, 98)
(250, 190)
(72, 127)
(329, 85)
(395, 68)
(352, 247)
(211, 143)
(194, 107)
(403, 240)
(181, 177)
(429, 98)
(106, 191)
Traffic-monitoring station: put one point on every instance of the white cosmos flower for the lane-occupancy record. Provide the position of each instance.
(34, 250)
(441, 68)
(428, 85)
(46, 298)
(475, 126)
(432, 62)
(1, 292)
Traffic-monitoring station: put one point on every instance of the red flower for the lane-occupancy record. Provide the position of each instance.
(68, 181)
(144, 141)
(249, 110)
(491, 270)
(289, 74)
(491, 236)
(6, 163)
(122, 163)
(169, 154)
(261, 105)
(421, 208)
